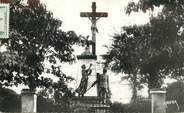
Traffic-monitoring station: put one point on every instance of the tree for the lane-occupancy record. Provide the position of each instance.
(125, 55)
(153, 51)
(35, 36)
(150, 4)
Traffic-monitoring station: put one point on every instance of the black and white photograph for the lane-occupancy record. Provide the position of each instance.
(91, 56)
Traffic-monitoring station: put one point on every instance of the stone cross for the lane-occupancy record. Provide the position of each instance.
(94, 16)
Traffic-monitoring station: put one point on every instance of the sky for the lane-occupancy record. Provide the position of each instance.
(69, 12)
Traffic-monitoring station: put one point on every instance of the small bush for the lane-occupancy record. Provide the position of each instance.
(117, 107)
(143, 106)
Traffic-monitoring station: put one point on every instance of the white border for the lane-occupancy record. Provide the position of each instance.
(7, 6)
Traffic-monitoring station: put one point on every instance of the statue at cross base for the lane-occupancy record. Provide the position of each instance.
(102, 83)
(82, 89)
(103, 86)
(89, 96)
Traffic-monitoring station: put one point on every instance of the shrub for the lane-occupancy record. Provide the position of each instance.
(143, 106)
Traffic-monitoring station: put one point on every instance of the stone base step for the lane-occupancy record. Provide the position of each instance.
(88, 103)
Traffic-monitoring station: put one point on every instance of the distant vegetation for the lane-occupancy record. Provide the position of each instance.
(137, 106)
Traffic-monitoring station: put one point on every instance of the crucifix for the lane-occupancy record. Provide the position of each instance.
(93, 17)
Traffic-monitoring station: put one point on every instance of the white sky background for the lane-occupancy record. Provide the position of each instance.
(69, 12)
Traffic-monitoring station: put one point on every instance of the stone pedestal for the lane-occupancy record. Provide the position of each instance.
(158, 101)
(28, 101)
(88, 104)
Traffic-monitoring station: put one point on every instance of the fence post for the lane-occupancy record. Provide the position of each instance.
(28, 101)
(158, 101)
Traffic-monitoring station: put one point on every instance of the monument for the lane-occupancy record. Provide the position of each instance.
(88, 95)
(89, 55)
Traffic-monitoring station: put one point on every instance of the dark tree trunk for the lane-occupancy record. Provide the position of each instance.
(134, 88)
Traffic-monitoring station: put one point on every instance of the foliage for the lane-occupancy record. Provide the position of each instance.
(54, 100)
(117, 107)
(44, 104)
(143, 106)
(150, 4)
(175, 91)
(35, 36)
(49, 105)
(150, 52)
